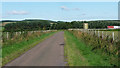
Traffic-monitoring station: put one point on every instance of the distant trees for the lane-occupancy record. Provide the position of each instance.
(28, 25)
(77, 24)
(102, 24)
(62, 25)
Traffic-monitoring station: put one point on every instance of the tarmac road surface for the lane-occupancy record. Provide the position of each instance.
(50, 52)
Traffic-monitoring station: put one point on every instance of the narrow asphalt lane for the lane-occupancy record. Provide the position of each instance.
(50, 52)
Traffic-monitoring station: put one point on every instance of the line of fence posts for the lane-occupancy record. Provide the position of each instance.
(97, 32)
(7, 34)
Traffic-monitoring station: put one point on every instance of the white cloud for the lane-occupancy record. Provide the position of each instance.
(5, 16)
(77, 9)
(64, 8)
(14, 12)
(83, 14)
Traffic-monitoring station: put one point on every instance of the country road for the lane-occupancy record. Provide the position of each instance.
(50, 52)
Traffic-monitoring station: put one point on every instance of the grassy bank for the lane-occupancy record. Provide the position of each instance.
(10, 52)
(79, 54)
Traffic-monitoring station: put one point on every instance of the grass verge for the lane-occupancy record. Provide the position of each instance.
(15, 50)
(79, 54)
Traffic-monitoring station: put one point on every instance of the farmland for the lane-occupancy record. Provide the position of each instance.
(96, 46)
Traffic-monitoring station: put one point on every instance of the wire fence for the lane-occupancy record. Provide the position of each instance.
(21, 34)
(114, 35)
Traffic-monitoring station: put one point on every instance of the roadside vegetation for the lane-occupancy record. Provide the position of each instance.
(81, 49)
(84, 50)
(13, 49)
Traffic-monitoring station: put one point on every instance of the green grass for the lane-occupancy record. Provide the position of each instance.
(1, 28)
(13, 51)
(79, 54)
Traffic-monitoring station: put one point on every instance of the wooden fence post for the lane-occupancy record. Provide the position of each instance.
(113, 36)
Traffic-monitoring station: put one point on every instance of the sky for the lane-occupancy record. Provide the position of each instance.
(60, 0)
(60, 11)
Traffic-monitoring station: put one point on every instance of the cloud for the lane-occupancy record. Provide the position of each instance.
(64, 8)
(14, 12)
(83, 14)
(5, 16)
(77, 9)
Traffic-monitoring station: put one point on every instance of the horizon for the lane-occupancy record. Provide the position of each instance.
(58, 20)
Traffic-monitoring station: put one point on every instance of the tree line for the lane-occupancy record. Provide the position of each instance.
(29, 25)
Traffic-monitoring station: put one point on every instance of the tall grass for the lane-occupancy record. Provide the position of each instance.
(81, 54)
(12, 51)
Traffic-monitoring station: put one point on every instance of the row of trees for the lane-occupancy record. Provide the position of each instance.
(102, 24)
(79, 24)
(28, 25)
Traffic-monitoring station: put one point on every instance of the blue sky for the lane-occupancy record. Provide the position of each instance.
(63, 11)
(60, 0)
